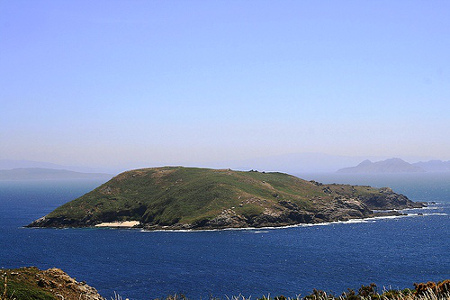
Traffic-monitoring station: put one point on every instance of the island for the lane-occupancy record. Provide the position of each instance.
(392, 165)
(182, 198)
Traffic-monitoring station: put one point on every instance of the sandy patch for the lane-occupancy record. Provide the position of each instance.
(118, 224)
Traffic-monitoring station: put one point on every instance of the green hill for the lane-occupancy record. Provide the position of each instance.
(195, 198)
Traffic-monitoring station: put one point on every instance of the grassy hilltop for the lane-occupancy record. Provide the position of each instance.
(195, 198)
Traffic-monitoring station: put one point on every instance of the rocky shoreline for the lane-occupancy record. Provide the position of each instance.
(229, 220)
(227, 223)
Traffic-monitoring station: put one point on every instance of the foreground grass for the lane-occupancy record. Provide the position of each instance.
(12, 289)
(422, 291)
(34, 284)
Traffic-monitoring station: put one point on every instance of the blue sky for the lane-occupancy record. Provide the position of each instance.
(111, 83)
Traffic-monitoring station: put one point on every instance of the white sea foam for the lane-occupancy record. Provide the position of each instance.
(430, 207)
(261, 231)
(428, 215)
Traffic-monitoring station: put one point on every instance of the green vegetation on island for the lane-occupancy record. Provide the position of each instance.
(196, 198)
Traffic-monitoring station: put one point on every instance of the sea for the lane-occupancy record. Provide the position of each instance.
(392, 252)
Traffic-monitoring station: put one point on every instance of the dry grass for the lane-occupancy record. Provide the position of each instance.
(320, 295)
(4, 295)
(422, 291)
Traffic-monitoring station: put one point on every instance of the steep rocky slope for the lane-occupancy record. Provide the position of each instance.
(51, 284)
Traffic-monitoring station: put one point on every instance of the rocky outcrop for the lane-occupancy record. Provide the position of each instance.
(61, 222)
(343, 209)
(388, 200)
(52, 282)
(57, 281)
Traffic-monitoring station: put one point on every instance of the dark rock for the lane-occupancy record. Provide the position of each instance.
(387, 199)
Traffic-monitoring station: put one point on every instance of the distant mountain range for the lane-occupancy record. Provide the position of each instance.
(397, 165)
(8, 164)
(295, 163)
(44, 173)
(434, 166)
(287, 163)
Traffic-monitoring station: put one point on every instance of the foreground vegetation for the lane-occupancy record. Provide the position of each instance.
(34, 284)
(421, 291)
(196, 198)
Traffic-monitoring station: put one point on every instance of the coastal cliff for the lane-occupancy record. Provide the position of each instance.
(195, 198)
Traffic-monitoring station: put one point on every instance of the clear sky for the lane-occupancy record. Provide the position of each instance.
(175, 82)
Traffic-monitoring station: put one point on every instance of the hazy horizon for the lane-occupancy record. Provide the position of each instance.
(109, 84)
(294, 163)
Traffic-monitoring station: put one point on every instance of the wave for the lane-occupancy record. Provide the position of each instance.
(430, 207)
(427, 215)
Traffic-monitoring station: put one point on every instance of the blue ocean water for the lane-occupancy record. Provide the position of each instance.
(393, 252)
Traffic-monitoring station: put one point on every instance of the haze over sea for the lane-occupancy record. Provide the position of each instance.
(391, 252)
